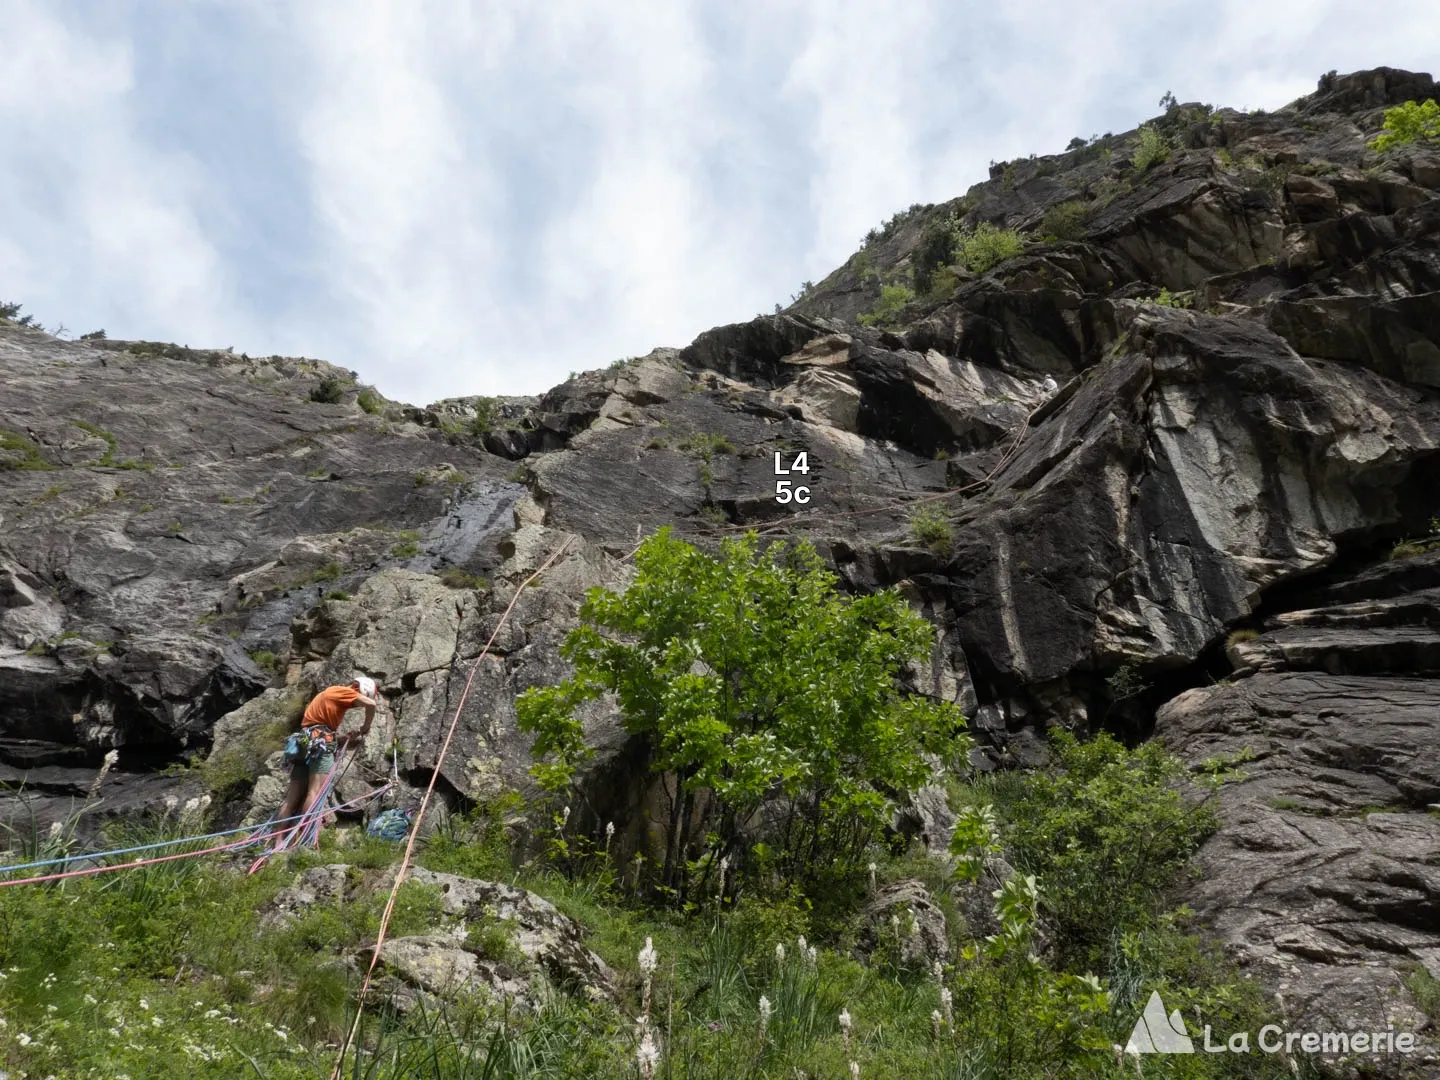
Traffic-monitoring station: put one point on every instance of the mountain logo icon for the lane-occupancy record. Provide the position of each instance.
(1156, 1033)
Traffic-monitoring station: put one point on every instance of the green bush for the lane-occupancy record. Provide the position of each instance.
(483, 421)
(930, 526)
(1409, 123)
(752, 681)
(370, 401)
(329, 391)
(1151, 148)
(1065, 220)
(1105, 829)
(988, 245)
(892, 299)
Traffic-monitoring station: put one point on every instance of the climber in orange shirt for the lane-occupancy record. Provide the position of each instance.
(320, 729)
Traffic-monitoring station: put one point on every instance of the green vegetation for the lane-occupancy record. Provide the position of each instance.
(485, 412)
(108, 458)
(230, 772)
(754, 682)
(988, 245)
(337, 594)
(1426, 988)
(20, 453)
(948, 242)
(930, 526)
(331, 571)
(1409, 123)
(517, 475)
(1235, 637)
(1166, 298)
(370, 401)
(264, 659)
(1065, 221)
(455, 578)
(93, 335)
(10, 312)
(407, 546)
(330, 390)
(168, 970)
(1151, 148)
(892, 299)
(705, 445)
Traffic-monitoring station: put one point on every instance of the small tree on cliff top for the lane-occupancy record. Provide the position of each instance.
(754, 684)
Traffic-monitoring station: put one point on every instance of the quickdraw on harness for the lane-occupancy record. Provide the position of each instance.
(308, 745)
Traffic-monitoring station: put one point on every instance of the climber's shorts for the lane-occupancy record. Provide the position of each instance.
(321, 764)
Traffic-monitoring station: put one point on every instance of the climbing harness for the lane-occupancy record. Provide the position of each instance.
(309, 745)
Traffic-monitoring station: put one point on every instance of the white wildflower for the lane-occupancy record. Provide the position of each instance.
(170, 803)
(854, 1071)
(845, 1025)
(800, 942)
(937, 970)
(873, 868)
(56, 828)
(947, 1004)
(23, 1039)
(811, 955)
(211, 1014)
(205, 801)
(648, 964)
(647, 1055)
(145, 1004)
(609, 834)
(766, 1011)
(935, 1022)
(779, 953)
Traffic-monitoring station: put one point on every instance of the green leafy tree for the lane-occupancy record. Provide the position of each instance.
(757, 688)
(1408, 123)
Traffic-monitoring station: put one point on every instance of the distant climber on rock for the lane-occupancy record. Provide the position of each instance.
(311, 753)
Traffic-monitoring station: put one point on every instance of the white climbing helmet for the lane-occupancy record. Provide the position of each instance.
(365, 685)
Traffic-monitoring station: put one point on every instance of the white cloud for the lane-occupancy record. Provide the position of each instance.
(103, 228)
(472, 198)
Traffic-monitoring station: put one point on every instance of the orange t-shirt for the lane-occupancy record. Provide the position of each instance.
(328, 707)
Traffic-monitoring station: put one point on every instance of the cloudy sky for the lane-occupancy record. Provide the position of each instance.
(468, 198)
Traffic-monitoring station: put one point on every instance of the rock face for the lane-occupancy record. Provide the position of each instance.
(539, 942)
(1203, 399)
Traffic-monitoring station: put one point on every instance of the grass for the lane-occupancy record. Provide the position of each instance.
(166, 970)
(30, 458)
(407, 545)
(370, 401)
(455, 578)
(1235, 637)
(930, 527)
(331, 571)
(705, 445)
